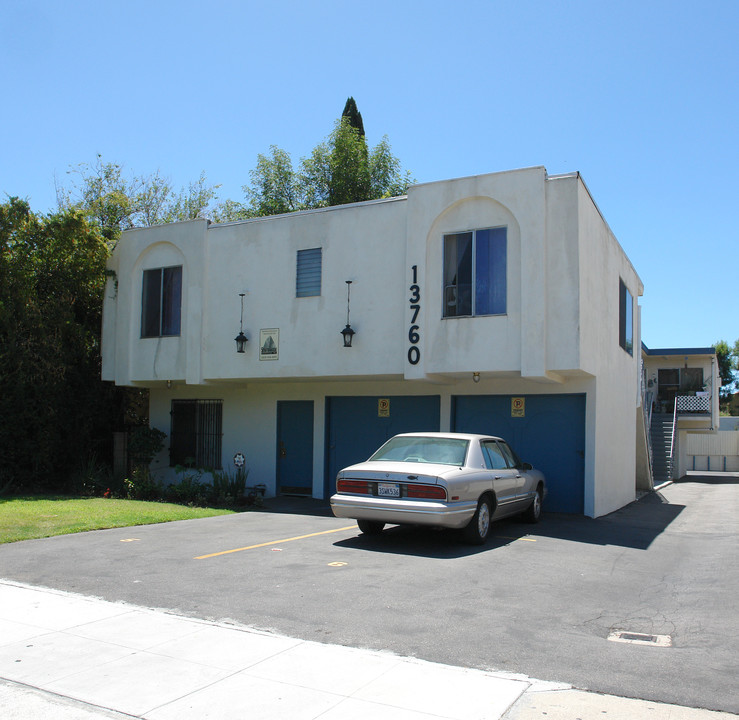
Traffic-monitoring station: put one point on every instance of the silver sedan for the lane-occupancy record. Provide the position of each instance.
(449, 480)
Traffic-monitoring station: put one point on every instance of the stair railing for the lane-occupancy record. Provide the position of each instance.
(672, 439)
(647, 399)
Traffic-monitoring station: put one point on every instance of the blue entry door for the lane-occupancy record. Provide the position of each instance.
(295, 447)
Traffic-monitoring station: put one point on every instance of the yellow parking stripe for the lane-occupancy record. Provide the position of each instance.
(274, 542)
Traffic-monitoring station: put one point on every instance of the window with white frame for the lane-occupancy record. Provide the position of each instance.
(161, 302)
(308, 274)
(625, 318)
(475, 273)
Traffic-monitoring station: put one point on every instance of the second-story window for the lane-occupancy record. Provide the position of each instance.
(625, 318)
(308, 275)
(475, 271)
(161, 302)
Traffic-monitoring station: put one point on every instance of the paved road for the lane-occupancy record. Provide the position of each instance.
(539, 601)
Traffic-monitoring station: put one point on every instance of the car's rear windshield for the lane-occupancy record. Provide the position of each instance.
(441, 451)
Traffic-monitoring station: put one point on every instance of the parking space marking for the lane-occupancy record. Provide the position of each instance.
(510, 537)
(274, 542)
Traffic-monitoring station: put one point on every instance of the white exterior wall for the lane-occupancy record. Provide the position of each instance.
(127, 358)
(538, 331)
(364, 243)
(250, 415)
(611, 444)
(559, 334)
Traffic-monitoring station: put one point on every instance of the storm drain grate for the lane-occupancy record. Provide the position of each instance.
(640, 638)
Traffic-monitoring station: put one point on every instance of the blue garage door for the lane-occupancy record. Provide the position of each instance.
(546, 430)
(357, 426)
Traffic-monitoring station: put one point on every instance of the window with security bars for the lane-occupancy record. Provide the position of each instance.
(308, 275)
(196, 433)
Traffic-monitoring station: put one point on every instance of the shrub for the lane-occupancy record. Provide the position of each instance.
(141, 485)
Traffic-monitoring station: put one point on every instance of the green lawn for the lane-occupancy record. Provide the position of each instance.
(25, 518)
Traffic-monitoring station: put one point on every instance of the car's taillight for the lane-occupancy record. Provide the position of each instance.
(353, 486)
(431, 492)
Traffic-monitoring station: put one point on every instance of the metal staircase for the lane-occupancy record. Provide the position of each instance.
(661, 432)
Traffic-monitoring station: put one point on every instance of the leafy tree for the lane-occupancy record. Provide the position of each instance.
(728, 364)
(386, 176)
(190, 203)
(114, 202)
(275, 187)
(54, 409)
(339, 170)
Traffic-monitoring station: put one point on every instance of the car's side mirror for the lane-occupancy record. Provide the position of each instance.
(527, 466)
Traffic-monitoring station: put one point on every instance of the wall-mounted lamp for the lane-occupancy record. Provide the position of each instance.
(347, 332)
(241, 339)
(476, 377)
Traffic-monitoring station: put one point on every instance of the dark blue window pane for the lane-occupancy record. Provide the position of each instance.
(458, 274)
(171, 300)
(161, 302)
(626, 319)
(490, 271)
(151, 302)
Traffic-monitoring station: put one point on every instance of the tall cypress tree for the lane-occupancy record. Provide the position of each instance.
(354, 116)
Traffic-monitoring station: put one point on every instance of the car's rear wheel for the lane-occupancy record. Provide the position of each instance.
(533, 512)
(477, 530)
(370, 527)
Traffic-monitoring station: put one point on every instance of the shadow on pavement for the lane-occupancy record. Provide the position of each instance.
(710, 478)
(294, 505)
(429, 542)
(635, 526)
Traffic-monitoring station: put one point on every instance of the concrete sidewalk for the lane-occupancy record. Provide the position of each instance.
(69, 657)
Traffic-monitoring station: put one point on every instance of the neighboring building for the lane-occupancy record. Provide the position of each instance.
(500, 304)
(682, 403)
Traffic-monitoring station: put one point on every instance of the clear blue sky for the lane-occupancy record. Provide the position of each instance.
(641, 97)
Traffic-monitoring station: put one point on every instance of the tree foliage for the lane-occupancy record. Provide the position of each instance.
(339, 170)
(275, 187)
(114, 201)
(352, 114)
(728, 365)
(53, 406)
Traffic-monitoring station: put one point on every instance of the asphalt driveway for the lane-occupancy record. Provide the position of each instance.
(540, 600)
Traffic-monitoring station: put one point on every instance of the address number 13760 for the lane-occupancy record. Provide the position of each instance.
(414, 353)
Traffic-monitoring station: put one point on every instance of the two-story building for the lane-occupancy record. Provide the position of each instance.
(499, 303)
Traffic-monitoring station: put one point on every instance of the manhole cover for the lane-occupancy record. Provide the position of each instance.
(640, 638)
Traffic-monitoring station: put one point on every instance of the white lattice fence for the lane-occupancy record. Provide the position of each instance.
(693, 403)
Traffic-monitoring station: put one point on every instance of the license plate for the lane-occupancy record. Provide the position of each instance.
(388, 489)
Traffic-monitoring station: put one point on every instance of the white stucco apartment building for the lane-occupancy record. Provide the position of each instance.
(499, 303)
